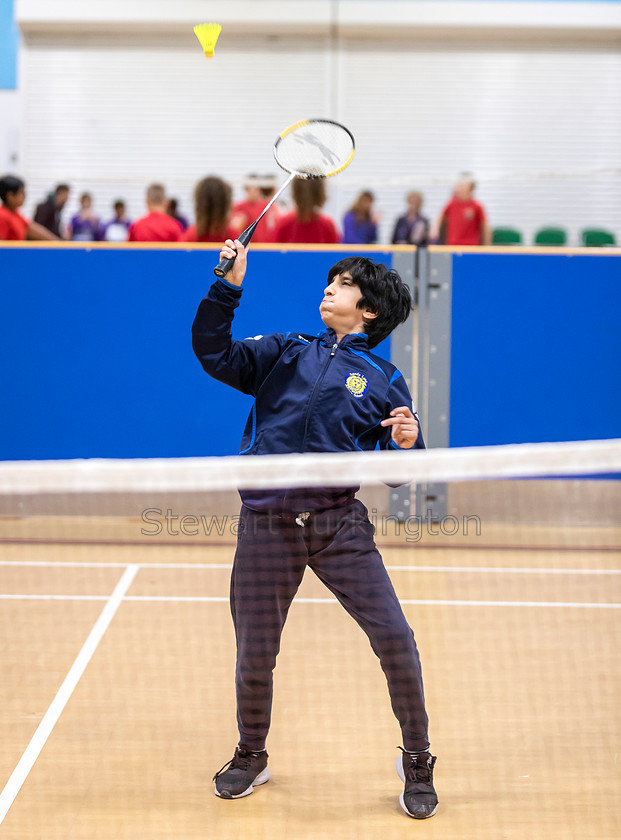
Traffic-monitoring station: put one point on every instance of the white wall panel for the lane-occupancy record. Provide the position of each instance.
(9, 130)
(113, 118)
(375, 16)
(539, 127)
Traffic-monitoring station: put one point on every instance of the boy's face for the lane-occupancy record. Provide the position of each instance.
(338, 309)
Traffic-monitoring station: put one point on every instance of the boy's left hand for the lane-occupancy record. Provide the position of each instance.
(404, 427)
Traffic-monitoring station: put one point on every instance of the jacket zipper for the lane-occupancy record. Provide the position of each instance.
(314, 394)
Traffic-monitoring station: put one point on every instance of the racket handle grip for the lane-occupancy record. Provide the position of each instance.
(226, 264)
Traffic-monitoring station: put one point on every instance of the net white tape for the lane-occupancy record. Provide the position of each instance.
(528, 460)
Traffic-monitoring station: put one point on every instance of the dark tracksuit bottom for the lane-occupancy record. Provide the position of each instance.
(338, 545)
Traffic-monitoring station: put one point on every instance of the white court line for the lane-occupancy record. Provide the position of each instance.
(504, 570)
(568, 604)
(512, 570)
(200, 599)
(91, 564)
(40, 597)
(38, 740)
(224, 599)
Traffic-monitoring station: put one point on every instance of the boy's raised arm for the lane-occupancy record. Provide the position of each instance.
(241, 364)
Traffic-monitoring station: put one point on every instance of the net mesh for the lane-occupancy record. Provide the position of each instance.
(315, 149)
(117, 674)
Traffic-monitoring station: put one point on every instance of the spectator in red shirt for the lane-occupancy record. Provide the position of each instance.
(268, 187)
(157, 225)
(463, 221)
(14, 226)
(306, 224)
(259, 191)
(213, 201)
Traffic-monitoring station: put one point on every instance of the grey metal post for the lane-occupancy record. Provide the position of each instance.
(434, 369)
(403, 351)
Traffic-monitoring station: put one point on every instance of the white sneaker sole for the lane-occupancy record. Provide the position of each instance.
(401, 775)
(263, 777)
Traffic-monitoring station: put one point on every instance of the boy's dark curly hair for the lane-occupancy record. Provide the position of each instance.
(383, 292)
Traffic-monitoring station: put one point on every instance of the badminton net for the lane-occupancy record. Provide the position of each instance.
(506, 563)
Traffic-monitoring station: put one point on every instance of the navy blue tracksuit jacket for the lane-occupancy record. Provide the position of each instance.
(311, 393)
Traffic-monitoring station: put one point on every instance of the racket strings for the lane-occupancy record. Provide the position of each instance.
(315, 149)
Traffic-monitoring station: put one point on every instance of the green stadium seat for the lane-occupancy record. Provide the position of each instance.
(597, 238)
(506, 236)
(551, 236)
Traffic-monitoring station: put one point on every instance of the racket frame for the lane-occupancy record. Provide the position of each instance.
(225, 264)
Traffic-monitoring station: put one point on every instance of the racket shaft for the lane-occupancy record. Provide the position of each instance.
(273, 199)
(226, 264)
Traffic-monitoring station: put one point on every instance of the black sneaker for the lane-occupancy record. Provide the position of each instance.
(419, 799)
(245, 769)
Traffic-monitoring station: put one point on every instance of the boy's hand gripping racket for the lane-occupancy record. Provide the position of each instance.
(308, 149)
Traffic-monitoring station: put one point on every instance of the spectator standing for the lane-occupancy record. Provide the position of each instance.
(14, 226)
(412, 228)
(269, 185)
(359, 223)
(306, 224)
(213, 203)
(463, 221)
(85, 226)
(157, 225)
(259, 191)
(117, 229)
(173, 211)
(48, 213)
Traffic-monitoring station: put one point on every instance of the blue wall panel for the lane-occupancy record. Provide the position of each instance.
(97, 356)
(535, 348)
(9, 39)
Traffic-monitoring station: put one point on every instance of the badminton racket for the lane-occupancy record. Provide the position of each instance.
(307, 149)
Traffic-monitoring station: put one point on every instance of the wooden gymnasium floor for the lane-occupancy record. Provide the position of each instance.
(117, 698)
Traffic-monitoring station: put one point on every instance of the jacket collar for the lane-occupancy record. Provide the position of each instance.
(355, 341)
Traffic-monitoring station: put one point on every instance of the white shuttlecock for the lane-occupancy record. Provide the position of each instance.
(207, 34)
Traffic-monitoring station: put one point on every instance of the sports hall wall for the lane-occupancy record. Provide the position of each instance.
(526, 95)
(97, 356)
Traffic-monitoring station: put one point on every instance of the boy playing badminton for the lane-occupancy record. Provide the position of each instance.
(323, 393)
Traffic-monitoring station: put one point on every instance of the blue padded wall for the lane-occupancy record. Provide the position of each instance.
(535, 348)
(97, 355)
